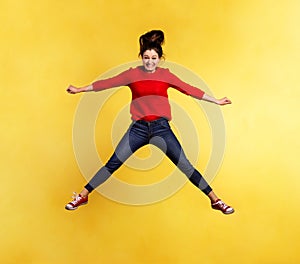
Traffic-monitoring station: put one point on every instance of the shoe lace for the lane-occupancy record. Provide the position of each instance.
(223, 204)
(75, 196)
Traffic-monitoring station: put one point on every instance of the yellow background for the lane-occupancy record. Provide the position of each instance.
(246, 50)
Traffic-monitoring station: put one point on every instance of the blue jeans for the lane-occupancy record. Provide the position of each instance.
(141, 133)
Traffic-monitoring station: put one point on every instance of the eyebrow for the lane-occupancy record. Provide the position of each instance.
(150, 56)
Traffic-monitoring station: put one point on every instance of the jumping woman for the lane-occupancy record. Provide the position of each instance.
(150, 113)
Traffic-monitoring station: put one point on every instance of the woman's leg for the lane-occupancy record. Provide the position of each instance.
(168, 143)
(133, 139)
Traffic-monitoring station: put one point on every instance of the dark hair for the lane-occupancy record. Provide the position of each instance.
(152, 40)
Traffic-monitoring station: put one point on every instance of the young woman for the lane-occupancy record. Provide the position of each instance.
(150, 113)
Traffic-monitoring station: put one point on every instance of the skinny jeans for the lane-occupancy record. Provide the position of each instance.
(159, 134)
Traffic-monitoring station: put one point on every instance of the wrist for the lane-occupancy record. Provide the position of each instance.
(89, 88)
(86, 88)
(211, 99)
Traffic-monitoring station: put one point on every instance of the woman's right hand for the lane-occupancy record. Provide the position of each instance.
(73, 90)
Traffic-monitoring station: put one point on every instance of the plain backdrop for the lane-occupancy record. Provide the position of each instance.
(245, 50)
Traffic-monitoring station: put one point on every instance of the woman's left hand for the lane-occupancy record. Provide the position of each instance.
(223, 101)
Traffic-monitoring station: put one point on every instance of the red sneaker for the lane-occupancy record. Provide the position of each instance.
(224, 208)
(77, 201)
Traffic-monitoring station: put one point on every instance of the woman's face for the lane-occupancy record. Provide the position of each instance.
(150, 60)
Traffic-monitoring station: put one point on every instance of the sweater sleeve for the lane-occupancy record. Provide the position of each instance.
(184, 87)
(122, 79)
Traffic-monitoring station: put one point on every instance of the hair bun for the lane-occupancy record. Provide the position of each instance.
(154, 37)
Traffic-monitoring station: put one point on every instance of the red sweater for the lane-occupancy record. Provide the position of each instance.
(149, 91)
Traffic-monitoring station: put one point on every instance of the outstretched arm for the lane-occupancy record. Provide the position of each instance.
(193, 91)
(222, 101)
(121, 79)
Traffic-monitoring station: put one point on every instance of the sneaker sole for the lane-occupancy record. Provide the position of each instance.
(74, 208)
(224, 212)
